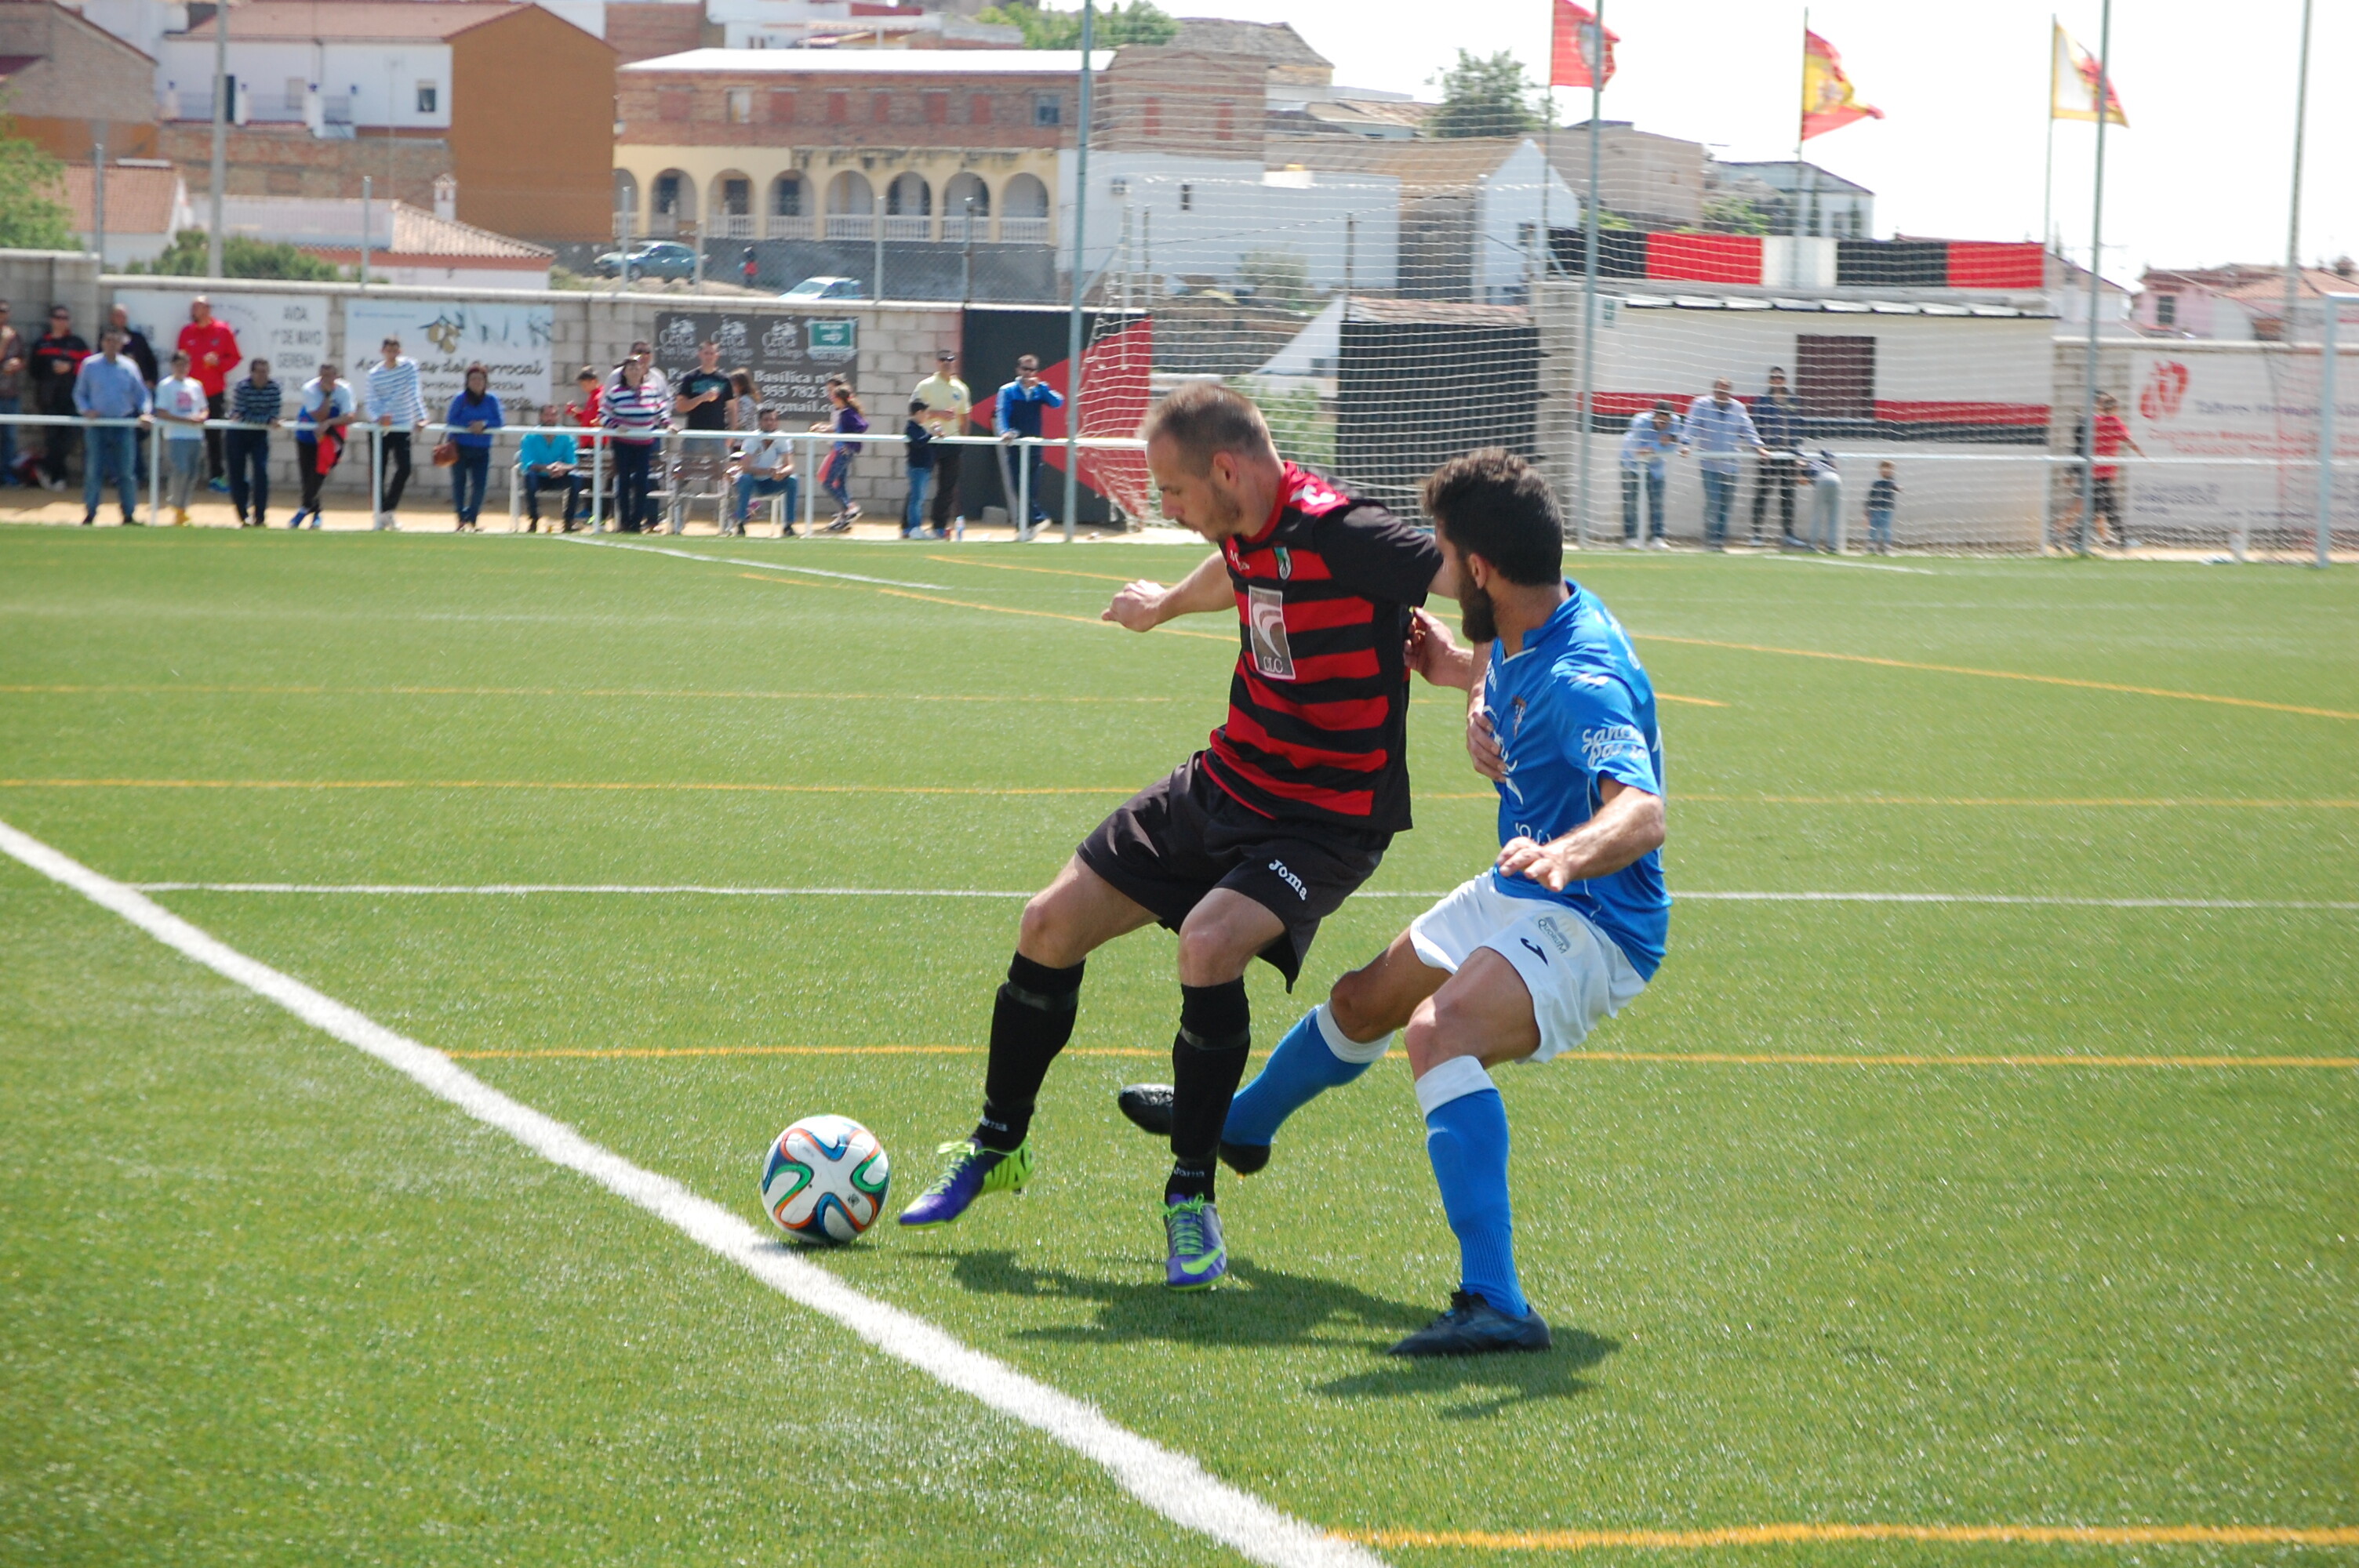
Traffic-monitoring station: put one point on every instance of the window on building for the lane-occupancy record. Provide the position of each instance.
(1048, 109)
(668, 193)
(736, 197)
(294, 88)
(839, 108)
(880, 108)
(1188, 199)
(1835, 375)
(978, 109)
(787, 196)
(741, 105)
(1150, 116)
(2165, 311)
(427, 97)
(782, 108)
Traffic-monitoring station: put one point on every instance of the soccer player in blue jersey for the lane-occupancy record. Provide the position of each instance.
(1566, 925)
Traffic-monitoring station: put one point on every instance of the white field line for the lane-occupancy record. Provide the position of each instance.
(497, 889)
(1839, 561)
(741, 561)
(1171, 1484)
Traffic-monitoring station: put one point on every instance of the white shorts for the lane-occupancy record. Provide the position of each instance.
(1574, 971)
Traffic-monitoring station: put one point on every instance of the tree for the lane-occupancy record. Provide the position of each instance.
(241, 257)
(32, 216)
(1137, 22)
(1735, 215)
(1486, 97)
(1279, 277)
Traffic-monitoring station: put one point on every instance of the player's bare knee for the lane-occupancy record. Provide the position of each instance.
(1440, 1029)
(1348, 1005)
(1046, 933)
(1210, 954)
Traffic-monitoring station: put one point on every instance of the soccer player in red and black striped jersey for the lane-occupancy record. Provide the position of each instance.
(1252, 840)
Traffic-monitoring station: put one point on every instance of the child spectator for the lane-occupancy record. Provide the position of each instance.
(474, 415)
(551, 459)
(1818, 471)
(180, 403)
(835, 471)
(921, 470)
(1882, 497)
(248, 451)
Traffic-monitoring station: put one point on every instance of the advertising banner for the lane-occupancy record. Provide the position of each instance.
(291, 330)
(790, 356)
(2244, 402)
(512, 341)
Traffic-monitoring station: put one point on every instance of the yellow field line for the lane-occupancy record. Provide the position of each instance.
(177, 688)
(1043, 571)
(529, 783)
(1763, 1059)
(1792, 1534)
(2004, 675)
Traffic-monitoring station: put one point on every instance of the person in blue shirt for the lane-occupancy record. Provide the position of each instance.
(474, 415)
(1719, 427)
(549, 460)
(1017, 413)
(1564, 928)
(109, 386)
(1650, 436)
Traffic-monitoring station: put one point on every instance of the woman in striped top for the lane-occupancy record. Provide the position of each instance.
(255, 401)
(635, 411)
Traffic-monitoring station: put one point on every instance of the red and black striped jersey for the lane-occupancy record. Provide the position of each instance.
(1319, 705)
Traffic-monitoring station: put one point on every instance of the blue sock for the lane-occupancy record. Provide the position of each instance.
(1466, 1138)
(1302, 1067)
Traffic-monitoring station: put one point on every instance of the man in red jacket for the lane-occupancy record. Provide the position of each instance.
(213, 354)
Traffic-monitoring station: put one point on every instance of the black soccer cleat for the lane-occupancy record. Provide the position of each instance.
(1473, 1327)
(1148, 1106)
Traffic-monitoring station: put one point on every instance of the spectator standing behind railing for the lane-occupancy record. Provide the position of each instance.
(254, 401)
(396, 405)
(1016, 414)
(835, 469)
(474, 415)
(107, 386)
(213, 354)
(141, 352)
(920, 465)
(1882, 498)
(58, 354)
(12, 391)
(1719, 427)
(947, 403)
(1650, 436)
(550, 461)
(323, 411)
(744, 402)
(700, 403)
(766, 467)
(180, 408)
(634, 408)
(1779, 423)
(1826, 486)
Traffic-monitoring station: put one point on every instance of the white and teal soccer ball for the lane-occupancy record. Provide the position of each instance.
(824, 1181)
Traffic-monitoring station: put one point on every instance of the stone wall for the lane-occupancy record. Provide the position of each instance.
(280, 161)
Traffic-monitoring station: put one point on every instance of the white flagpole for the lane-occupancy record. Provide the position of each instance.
(2096, 262)
(1589, 279)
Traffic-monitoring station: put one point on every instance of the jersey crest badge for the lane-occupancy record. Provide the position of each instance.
(1265, 630)
(1285, 563)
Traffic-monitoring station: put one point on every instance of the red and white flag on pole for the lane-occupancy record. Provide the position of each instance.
(1581, 54)
(2076, 80)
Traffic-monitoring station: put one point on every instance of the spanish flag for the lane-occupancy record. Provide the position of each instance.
(1827, 101)
(1583, 52)
(2073, 77)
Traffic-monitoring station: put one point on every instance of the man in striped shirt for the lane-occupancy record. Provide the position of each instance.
(1252, 841)
(396, 407)
(255, 401)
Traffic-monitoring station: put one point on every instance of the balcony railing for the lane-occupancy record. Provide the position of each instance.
(954, 230)
(1024, 231)
(789, 226)
(850, 226)
(733, 226)
(663, 225)
(909, 226)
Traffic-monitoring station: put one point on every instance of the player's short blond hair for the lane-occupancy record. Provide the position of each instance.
(1203, 417)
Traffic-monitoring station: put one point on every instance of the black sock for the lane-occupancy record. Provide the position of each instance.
(1208, 1060)
(1030, 1022)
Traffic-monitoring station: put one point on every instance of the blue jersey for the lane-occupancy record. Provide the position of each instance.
(1573, 709)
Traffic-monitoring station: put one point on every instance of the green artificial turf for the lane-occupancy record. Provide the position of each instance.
(266, 1302)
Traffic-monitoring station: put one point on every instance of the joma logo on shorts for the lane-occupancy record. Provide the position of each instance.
(1290, 880)
(1548, 922)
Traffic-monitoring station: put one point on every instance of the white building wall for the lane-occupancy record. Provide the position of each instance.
(1508, 223)
(380, 79)
(1206, 215)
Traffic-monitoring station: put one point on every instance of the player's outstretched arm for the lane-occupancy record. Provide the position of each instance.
(1628, 826)
(1142, 606)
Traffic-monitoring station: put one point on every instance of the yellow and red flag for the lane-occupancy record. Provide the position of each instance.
(2075, 80)
(1828, 103)
(1582, 50)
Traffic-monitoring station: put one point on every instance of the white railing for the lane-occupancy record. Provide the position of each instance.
(1024, 231)
(850, 226)
(789, 226)
(954, 230)
(663, 225)
(732, 226)
(901, 226)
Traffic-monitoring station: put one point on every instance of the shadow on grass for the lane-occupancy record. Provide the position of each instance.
(1258, 1306)
(1506, 1380)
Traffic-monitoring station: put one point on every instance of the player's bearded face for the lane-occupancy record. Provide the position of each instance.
(1477, 617)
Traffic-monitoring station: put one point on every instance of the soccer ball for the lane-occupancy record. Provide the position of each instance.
(824, 1180)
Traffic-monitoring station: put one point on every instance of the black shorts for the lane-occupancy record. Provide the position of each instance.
(2105, 499)
(1181, 837)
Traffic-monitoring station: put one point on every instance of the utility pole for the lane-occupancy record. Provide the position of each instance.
(98, 199)
(2293, 214)
(2096, 261)
(1081, 280)
(365, 229)
(221, 134)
